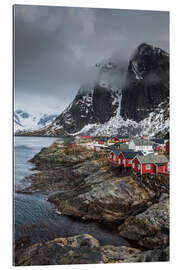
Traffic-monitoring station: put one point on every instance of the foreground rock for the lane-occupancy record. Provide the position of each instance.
(83, 249)
(81, 184)
(85, 186)
(150, 228)
(103, 196)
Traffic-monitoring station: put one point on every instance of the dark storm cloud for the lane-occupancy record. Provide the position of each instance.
(55, 47)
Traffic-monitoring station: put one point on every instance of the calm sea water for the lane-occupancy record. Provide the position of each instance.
(34, 216)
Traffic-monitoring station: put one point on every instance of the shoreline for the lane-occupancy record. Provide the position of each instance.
(43, 136)
(87, 189)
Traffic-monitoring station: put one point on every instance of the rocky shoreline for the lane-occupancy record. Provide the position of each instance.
(81, 184)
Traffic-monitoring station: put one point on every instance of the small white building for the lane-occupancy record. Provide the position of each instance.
(141, 145)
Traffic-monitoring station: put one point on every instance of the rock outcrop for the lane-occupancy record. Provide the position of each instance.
(81, 184)
(86, 186)
(149, 228)
(83, 249)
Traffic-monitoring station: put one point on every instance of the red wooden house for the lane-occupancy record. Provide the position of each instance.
(167, 147)
(123, 139)
(158, 148)
(126, 158)
(122, 158)
(150, 164)
(85, 137)
(113, 140)
(101, 142)
(114, 159)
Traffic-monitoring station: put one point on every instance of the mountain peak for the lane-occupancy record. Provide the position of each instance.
(147, 82)
(147, 49)
(148, 60)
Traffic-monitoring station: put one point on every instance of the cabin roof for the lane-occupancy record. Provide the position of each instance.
(151, 158)
(101, 138)
(159, 164)
(158, 141)
(128, 153)
(117, 152)
(122, 137)
(132, 154)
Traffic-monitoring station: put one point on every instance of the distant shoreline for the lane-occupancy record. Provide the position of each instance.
(15, 135)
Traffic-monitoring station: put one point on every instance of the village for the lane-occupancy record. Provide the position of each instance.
(142, 155)
(120, 183)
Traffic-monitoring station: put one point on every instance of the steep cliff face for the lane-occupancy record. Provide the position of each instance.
(96, 104)
(147, 83)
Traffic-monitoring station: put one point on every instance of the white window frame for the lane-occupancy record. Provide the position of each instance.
(130, 161)
(148, 166)
(133, 165)
(124, 161)
(139, 166)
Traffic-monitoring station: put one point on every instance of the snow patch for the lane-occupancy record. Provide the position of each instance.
(24, 121)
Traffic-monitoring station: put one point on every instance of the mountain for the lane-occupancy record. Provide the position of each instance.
(24, 121)
(147, 82)
(130, 99)
(97, 105)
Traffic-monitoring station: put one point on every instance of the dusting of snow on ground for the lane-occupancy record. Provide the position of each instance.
(150, 126)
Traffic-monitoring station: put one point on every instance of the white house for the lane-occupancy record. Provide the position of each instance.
(141, 145)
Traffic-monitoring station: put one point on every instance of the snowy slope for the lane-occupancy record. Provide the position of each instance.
(95, 102)
(24, 121)
(155, 123)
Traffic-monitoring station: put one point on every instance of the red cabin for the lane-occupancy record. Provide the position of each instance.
(158, 148)
(114, 159)
(167, 147)
(85, 137)
(122, 158)
(71, 145)
(124, 140)
(114, 140)
(101, 142)
(138, 167)
(161, 168)
(150, 164)
(127, 156)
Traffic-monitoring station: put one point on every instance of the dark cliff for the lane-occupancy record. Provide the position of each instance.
(147, 82)
(97, 105)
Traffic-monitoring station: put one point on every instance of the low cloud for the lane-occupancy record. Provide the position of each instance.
(56, 48)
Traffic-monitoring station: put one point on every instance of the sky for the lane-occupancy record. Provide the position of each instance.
(56, 49)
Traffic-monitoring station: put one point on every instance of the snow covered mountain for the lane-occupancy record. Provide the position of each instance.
(128, 100)
(24, 121)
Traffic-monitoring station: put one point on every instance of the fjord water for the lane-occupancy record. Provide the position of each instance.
(34, 216)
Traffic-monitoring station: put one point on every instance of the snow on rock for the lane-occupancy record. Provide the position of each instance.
(150, 126)
(24, 121)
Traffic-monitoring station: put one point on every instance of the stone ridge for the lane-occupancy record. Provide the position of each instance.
(147, 82)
